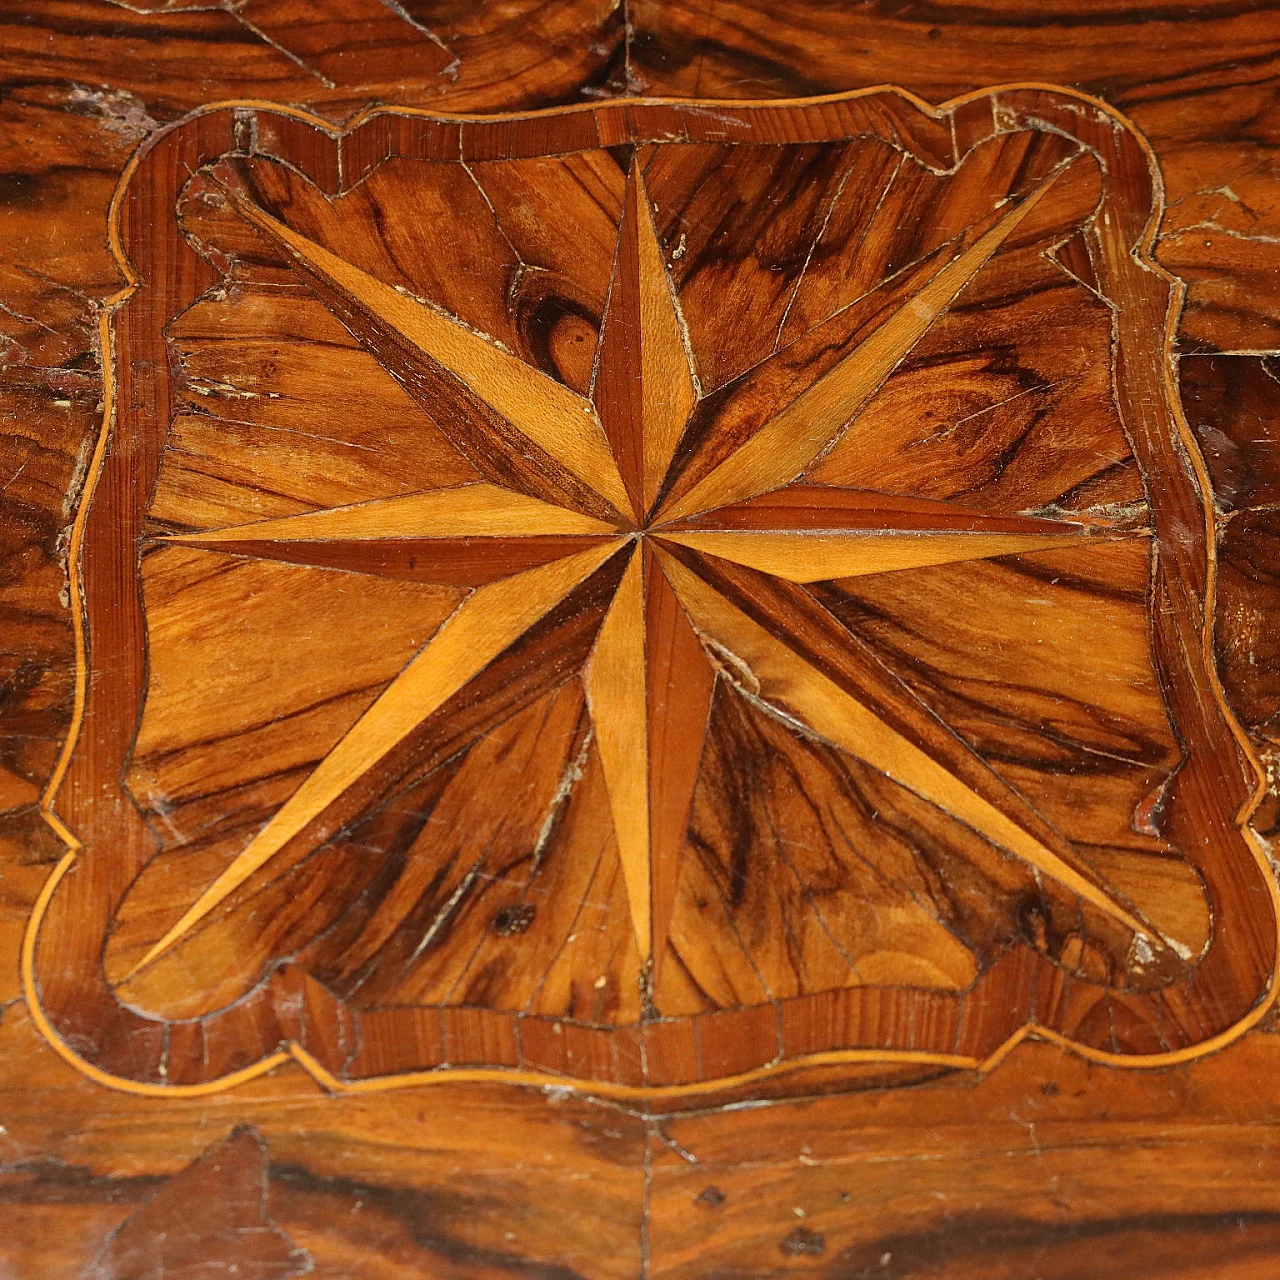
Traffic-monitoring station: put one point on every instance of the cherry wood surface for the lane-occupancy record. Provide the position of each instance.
(500, 778)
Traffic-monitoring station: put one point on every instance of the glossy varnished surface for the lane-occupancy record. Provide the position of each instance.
(700, 540)
(465, 694)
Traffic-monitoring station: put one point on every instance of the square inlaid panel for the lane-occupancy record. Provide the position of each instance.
(645, 596)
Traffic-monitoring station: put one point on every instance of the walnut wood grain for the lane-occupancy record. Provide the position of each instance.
(1048, 1164)
(1131, 968)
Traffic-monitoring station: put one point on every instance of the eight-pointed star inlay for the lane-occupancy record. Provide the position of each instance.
(711, 538)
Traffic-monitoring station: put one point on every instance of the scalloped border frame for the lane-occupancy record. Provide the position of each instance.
(295, 1052)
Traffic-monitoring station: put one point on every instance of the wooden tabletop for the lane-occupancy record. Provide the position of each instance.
(640, 640)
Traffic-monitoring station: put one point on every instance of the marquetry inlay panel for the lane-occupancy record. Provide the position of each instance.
(645, 596)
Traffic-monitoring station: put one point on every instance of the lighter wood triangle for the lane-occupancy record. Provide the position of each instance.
(790, 440)
(617, 693)
(467, 511)
(819, 557)
(487, 622)
(669, 390)
(556, 419)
